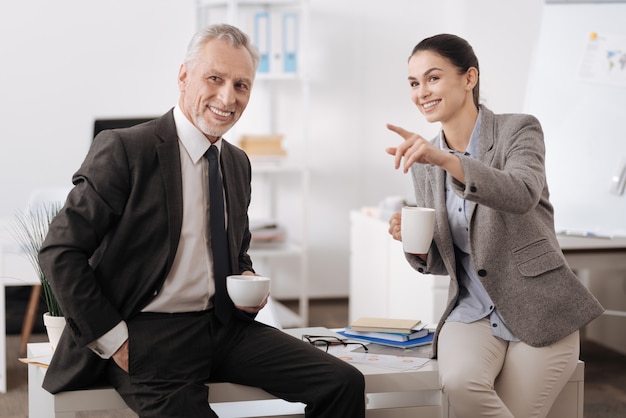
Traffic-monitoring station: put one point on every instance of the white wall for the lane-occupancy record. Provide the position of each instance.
(67, 62)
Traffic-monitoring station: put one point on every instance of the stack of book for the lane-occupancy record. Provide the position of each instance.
(262, 145)
(266, 234)
(405, 333)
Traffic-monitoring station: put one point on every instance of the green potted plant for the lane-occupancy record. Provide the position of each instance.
(29, 231)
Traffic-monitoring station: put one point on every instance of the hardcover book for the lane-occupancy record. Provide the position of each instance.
(427, 339)
(402, 326)
(392, 336)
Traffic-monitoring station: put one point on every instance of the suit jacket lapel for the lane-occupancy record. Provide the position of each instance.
(231, 177)
(442, 235)
(168, 153)
(486, 150)
(487, 136)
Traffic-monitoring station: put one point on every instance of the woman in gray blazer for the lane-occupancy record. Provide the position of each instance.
(508, 340)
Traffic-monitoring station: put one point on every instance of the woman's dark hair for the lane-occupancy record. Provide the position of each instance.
(457, 50)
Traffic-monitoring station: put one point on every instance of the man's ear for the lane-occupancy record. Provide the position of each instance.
(182, 77)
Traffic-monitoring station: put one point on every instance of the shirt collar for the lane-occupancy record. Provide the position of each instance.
(193, 140)
(474, 142)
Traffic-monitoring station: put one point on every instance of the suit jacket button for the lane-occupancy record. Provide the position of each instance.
(482, 272)
(73, 327)
(473, 189)
(421, 270)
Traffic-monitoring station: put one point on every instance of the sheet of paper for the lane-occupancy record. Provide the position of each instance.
(43, 361)
(421, 351)
(392, 362)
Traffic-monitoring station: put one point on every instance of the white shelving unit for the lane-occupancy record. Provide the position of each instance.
(279, 193)
(279, 105)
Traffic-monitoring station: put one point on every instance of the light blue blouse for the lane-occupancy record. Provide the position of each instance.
(473, 303)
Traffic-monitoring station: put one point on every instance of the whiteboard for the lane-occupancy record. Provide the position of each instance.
(583, 112)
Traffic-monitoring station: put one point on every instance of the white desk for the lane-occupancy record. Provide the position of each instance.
(586, 254)
(382, 283)
(389, 394)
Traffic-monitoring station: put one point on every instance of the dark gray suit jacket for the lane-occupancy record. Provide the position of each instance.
(511, 231)
(112, 245)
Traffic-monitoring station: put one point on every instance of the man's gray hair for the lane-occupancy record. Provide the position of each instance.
(234, 36)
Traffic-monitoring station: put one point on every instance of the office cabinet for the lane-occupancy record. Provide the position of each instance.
(382, 283)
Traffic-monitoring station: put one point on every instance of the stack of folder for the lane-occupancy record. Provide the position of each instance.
(404, 333)
(276, 35)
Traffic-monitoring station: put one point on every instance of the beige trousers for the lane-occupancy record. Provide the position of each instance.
(485, 376)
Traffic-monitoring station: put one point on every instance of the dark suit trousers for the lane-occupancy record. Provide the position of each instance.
(172, 356)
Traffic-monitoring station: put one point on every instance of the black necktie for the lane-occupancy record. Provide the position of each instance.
(219, 240)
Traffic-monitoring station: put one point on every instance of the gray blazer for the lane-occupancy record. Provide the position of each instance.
(511, 231)
(110, 248)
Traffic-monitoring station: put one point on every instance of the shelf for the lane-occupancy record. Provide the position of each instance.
(289, 249)
(247, 3)
(267, 167)
(278, 77)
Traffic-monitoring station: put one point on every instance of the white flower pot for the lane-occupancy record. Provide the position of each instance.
(54, 328)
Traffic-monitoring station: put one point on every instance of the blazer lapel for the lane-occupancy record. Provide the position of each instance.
(442, 235)
(168, 153)
(233, 177)
(487, 136)
(486, 147)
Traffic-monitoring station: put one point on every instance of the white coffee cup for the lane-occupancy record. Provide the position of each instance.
(247, 290)
(417, 228)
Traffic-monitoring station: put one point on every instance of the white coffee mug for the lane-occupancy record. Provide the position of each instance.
(247, 290)
(417, 228)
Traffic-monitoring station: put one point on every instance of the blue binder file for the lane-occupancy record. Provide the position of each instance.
(290, 42)
(262, 39)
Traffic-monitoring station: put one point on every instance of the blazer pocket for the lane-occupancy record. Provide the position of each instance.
(537, 258)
